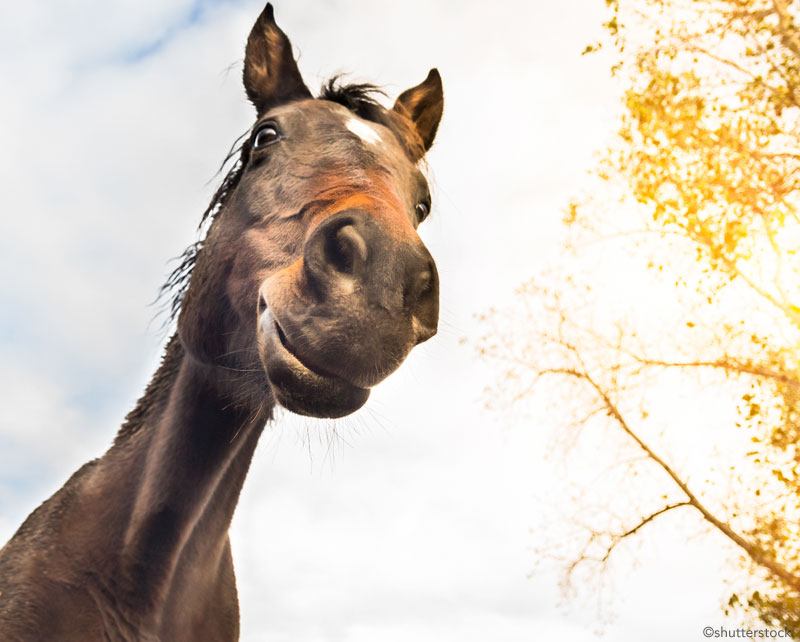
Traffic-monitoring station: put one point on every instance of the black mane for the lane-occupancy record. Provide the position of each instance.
(359, 98)
(171, 293)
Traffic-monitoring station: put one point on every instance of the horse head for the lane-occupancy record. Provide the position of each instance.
(312, 274)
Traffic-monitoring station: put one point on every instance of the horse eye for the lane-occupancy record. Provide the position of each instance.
(266, 135)
(422, 210)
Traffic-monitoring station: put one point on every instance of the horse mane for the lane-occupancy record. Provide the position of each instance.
(174, 288)
(359, 98)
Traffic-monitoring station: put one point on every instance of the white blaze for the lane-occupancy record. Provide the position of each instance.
(363, 131)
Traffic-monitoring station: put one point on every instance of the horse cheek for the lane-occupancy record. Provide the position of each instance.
(205, 314)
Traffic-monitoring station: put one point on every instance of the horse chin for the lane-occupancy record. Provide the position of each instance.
(297, 387)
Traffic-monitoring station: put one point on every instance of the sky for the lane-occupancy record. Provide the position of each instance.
(420, 516)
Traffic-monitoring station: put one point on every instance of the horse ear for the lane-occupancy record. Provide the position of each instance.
(423, 105)
(271, 76)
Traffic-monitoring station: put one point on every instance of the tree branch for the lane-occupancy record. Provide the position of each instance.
(787, 307)
(788, 34)
(753, 551)
(734, 65)
(616, 539)
(723, 364)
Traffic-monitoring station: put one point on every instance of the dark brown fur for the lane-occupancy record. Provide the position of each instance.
(310, 286)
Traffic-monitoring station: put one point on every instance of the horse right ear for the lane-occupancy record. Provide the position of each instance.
(423, 105)
(271, 76)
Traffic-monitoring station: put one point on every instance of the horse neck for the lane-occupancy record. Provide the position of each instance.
(189, 446)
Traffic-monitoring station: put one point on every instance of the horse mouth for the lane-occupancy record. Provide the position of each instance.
(296, 385)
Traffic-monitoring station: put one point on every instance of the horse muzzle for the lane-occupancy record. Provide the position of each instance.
(296, 386)
(346, 316)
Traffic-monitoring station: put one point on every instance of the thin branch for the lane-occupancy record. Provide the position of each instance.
(788, 33)
(771, 236)
(723, 364)
(787, 307)
(734, 65)
(616, 539)
(774, 155)
(778, 69)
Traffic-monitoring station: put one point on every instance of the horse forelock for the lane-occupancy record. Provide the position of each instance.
(361, 99)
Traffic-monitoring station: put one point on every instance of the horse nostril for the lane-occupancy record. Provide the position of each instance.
(422, 299)
(345, 250)
(424, 282)
(422, 286)
(336, 253)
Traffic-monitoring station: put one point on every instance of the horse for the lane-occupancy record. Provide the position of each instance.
(310, 286)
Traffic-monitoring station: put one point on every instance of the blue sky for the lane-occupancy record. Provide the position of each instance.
(189, 17)
(421, 523)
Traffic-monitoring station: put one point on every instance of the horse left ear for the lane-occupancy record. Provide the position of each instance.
(271, 76)
(423, 105)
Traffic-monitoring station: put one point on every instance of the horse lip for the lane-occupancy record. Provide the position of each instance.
(293, 351)
(274, 335)
(301, 389)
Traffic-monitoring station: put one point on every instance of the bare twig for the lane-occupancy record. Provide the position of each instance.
(616, 539)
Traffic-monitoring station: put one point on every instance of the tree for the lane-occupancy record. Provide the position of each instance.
(701, 186)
